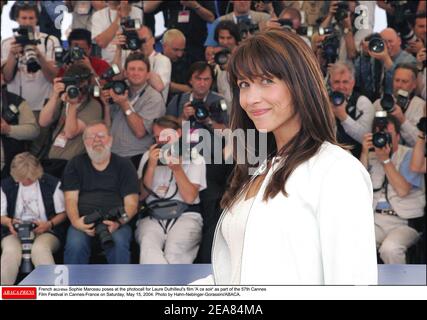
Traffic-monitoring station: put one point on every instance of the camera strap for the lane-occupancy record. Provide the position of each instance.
(151, 192)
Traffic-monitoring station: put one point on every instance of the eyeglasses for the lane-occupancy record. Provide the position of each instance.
(99, 135)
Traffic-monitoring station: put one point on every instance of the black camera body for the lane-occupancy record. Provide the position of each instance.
(337, 98)
(421, 125)
(26, 236)
(381, 137)
(68, 57)
(72, 84)
(402, 99)
(330, 48)
(376, 43)
(10, 114)
(342, 11)
(387, 103)
(101, 229)
(221, 57)
(25, 36)
(129, 27)
(201, 111)
(119, 86)
(246, 27)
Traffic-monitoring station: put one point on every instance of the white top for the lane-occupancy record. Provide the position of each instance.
(161, 65)
(358, 128)
(195, 172)
(29, 203)
(233, 231)
(102, 19)
(322, 233)
(33, 87)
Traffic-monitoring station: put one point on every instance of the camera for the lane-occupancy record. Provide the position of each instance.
(10, 114)
(421, 125)
(25, 36)
(342, 11)
(111, 72)
(387, 102)
(72, 84)
(26, 236)
(101, 229)
(402, 99)
(221, 57)
(119, 86)
(402, 17)
(337, 98)
(330, 48)
(381, 137)
(376, 43)
(201, 111)
(67, 57)
(246, 27)
(129, 26)
(286, 23)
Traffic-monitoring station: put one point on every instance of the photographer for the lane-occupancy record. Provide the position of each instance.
(30, 196)
(405, 107)
(246, 19)
(354, 112)
(81, 38)
(106, 23)
(398, 192)
(174, 48)
(133, 112)
(160, 65)
(28, 64)
(175, 238)
(69, 109)
(18, 125)
(228, 37)
(419, 158)
(390, 56)
(187, 107)
(98, 183)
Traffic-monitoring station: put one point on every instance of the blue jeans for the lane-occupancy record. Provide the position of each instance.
(78, 246)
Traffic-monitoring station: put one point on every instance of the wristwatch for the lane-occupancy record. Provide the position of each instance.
(128, 112)
(386, 161)
(346, 30)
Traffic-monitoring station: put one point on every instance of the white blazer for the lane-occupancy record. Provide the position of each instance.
(322, 233)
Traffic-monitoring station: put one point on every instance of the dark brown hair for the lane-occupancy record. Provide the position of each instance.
(284, 55)
(137, 56)
(167, 121)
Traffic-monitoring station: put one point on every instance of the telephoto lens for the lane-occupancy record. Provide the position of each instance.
(221, 57)
(376, 44)
(387, 103)
(380, 139)
(26, 236)
(337, 98)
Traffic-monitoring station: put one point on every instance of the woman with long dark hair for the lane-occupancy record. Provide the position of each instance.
(306, 216)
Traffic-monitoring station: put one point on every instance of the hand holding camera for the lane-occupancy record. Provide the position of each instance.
(120, 99)
(42, 227)
(80, 224)
(154, 156)
(58, 87)
(188, 111)
(16, 49)
(367, 144)
(421, 58)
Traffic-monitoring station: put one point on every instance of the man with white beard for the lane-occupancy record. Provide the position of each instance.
(104, 183)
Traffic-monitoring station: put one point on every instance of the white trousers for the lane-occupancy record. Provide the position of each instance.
(393, 237)
(169, 241)
(42, 251)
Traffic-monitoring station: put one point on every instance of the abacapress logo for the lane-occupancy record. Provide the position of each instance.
(19, 293)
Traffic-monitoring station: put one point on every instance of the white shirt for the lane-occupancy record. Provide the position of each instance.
(195, 172)
(33, 87)
(358, 128)
(161, 65)
(29, 203)
(102, 19)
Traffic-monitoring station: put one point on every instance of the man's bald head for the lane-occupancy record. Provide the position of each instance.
(392, 41)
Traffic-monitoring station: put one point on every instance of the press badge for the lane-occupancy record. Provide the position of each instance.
(60, 141)
(184, 16)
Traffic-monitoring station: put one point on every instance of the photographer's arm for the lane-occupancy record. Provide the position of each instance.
(8, 222)
(187, 190)
(418, 161)
(178, 87)
(396, 180)
(150, 6)
(73, 125)
(11, 62)
(46, 116)
(131, 205)
(156, 82)
(27, 128)
(105, 37)
(72, 210)
(48, 67)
